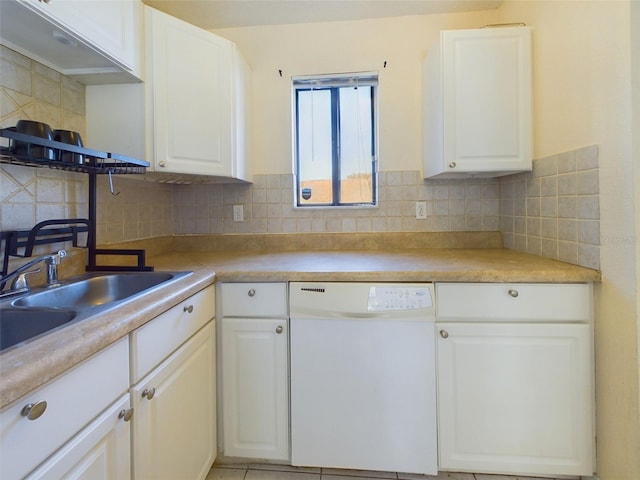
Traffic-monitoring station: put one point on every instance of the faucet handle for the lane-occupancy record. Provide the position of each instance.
(21, 280)
(56, 258)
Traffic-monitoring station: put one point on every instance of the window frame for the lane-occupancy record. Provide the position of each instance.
(333, 83)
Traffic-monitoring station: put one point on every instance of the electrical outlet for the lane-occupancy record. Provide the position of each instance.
(421, 210)
(238, 213)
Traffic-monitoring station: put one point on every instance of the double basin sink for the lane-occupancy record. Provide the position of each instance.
(42, 310)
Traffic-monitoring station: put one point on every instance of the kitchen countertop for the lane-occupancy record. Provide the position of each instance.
(24, 368)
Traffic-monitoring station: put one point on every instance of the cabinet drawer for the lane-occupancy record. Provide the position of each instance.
(73, 400)
(514, 302)
(153, 342)
(254, 299)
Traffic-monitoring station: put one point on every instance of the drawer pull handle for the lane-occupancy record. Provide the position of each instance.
(149, 393)
(444, 334)
(34, 411)
(452, 165)
(279, 329)
(513, 293)
(251, 293)
(126, 414)
(188, 308)
(163, 164)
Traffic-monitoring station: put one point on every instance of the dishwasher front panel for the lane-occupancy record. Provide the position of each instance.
(363, 391)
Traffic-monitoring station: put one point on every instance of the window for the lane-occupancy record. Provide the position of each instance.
(335, 140)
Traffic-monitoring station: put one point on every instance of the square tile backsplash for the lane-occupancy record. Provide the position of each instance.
(268, 207)
(552, 211)
(29, 90)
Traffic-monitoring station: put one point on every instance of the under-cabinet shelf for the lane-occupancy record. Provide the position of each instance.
(93, 161)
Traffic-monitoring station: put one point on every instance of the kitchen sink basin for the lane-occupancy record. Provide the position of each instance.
(95, 290)
(78, 298)
(20, 324)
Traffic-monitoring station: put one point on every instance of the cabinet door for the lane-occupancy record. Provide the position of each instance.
(515, 398)
(192, 98)
(255, 391)
(477, 103)
(486, 81)
(174, 429)
(102, 451)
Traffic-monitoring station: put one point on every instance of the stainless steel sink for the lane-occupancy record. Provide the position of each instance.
(95, 290)
(44, 309)
(20, 324)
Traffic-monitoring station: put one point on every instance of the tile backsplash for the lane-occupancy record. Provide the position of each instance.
(268, 207)
(29, 90)
(552, 211)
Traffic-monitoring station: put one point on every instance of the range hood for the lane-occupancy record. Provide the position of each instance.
(25, 30)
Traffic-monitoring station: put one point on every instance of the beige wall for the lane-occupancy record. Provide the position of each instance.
(343, 47)
(635, 96)
(583, 95)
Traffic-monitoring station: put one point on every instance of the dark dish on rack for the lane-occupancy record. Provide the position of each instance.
(36, 129)
(71, 138)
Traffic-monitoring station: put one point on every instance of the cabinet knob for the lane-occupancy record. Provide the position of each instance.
(251, 293)
(126, 414)
(34, 410)
(149, 393)
(452, 165)
(188, 308)
(279, 329)
(162, 164)
(514, 293)
(444, 334)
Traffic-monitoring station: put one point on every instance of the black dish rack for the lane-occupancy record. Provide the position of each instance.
(91, 162)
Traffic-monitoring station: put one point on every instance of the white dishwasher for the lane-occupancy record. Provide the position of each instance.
(363, 388)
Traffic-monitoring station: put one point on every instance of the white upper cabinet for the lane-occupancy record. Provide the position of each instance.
(191, 97)
(477, 103)
(190, 116)
(94, 41)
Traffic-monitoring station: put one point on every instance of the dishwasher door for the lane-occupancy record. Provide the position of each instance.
(363, 377)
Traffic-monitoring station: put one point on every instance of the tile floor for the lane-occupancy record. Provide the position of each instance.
(230, 471)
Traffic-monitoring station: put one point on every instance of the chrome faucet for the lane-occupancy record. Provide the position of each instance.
(19, 276)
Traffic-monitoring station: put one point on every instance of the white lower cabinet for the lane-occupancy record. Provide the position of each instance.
(174, 432)
(62, 413)
(102, 451)
(255, 371)
(515, 387)
(90, 424)
(254, 386)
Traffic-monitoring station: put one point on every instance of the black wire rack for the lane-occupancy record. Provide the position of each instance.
(42, 152)
(33, 151)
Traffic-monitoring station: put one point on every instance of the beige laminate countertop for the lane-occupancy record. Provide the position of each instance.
(26, 367)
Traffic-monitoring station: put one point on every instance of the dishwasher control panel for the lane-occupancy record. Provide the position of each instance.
(396, 297)
(361, 300)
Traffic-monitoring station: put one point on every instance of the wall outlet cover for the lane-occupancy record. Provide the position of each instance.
(238, 213)
(421, 210)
